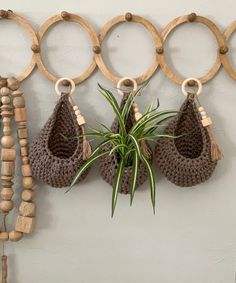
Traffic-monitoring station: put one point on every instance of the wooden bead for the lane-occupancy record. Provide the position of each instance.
(6, 205)
(7, 141)
(5, 100)
(25, 224)
(5, 91)
(3, 236)
(26, 170)
(27, 195)
(80, 120)
(206, 122)
(22, 133)
(23, 142)
(13, 83)
(19, 102)
(20, 114)
(15, 236)
(27, 182)
(24, 151)
(27, 209)
(203, 113)
(77, 112)
(7, 193)
(75, 107)
(200, 109)
(17, 93)
(3, 82)
(8, 154)
(25, 160)
(137, 116)
(8, 168)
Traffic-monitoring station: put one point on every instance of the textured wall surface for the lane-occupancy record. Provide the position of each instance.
(192, 237)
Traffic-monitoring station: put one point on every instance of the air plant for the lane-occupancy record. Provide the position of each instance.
(127, 145)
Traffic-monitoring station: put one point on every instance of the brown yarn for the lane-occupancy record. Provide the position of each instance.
(186, 160)
(109, 164)
(54, 158)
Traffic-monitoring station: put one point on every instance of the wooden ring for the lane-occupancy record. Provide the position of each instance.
(122, 80)
(225, 61)
(60, 81)
(65, 16)
(185, 82)
(129, 18)
(218, 35)
(9, 15)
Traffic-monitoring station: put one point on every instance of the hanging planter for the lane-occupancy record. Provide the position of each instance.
(124, 152)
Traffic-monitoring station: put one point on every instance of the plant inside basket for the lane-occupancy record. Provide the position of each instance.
(127, 145)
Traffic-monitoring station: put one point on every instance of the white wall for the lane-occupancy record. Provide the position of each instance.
(192, 238)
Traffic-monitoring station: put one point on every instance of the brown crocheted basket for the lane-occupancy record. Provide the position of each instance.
(186, 161)
(53, 158)
(109, 164)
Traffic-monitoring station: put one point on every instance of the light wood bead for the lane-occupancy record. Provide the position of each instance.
(203, 113)
(3, 236)
(24, 151)
(15, 236)
(25, 160)
(5, 100)
(5, 91)
(25, 224)
(22, 133)
(27, 182)
(26, 170)
(27, 209)
(7, 141)
(17, 93)
(206, 122)
(13, 83)
(75, 107)
(23, 142)
(20, 114)
(200, 109)
(7, 131)
(8, 154)
(7, 193)
(27, 195)
(77, 112)
(80, 120)
(8, 168)
(6, 205)
(19, 102)
(137, 116)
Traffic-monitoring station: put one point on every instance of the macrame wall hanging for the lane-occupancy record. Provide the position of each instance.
(13, 109)
(191, 157)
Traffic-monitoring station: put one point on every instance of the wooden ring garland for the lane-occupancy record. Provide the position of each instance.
(128, 17)
(65, 16)
(219, 38)
(225, 61)
(9, 15)
(185, 82)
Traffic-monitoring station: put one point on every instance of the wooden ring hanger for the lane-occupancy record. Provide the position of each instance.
(128, 17)
(65, 16)
(219, 38)
(9, 15)
(225, 61)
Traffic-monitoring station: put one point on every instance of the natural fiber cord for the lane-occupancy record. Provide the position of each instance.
(56, 153)
(186, 160)
(109, 164)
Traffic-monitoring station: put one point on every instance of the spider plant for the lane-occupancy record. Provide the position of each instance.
(127, 144)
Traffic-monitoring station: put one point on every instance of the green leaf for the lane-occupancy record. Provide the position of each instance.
(134, 176)
(136, 145)
(116, 186)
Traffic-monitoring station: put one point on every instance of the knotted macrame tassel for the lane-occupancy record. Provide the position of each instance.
(81, 121)
(4, 269)
(216, 153)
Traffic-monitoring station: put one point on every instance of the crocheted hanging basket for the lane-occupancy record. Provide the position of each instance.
(186, 161)
(54, 158)
(109, 164)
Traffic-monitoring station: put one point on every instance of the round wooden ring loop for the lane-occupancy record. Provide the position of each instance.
(219, 38)
(225, 61)
(65, 16)
(129, 18)
(122, 80)
(60, 81)
(9, 15)
(185, 82)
